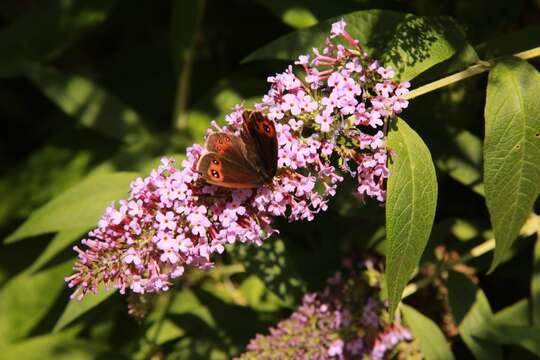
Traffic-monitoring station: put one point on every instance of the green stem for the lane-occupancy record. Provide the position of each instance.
(475, 252)
(530, 227)
(467, 73)
(184, 76)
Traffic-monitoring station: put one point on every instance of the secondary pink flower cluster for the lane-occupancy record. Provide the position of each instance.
(344, 321)
(173, 219)
(344, 98)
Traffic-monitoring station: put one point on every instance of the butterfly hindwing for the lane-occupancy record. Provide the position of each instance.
(219, 170)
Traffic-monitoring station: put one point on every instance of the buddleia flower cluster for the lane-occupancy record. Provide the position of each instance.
(329, 119)
(347, 320)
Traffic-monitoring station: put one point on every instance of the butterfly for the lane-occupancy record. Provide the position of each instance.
(245, 161)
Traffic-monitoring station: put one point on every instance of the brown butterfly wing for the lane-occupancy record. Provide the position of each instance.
(221, 170)
(222, 142)
(259, 135)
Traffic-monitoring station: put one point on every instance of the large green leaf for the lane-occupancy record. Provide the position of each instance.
(76, 309)
(46, 29)
(472, 313)
(62, 346)
(511, 149)
(431, 340)
(410, 206)
(77, 208)
(26, 299)
(411, 44)
(57, 244)
(527, 337)
(91, 105)
(50, 169)
(517, 314)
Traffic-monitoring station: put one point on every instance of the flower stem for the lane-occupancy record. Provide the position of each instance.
(467, 73)
(184, 76)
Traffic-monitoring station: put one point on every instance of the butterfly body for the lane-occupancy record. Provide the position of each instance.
(241, 162)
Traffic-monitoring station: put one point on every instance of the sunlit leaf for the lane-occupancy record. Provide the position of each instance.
(49, 170)
(61, 241)
(48, 28)
(76, 308)
(472, 313)
(90, 104)
(61, 346)
(432, 342)
(77, 208)
(258, 296)
(410, 206)
(517, 314)
(162, 331)
(27, 298)
(411, 44)
(293, 13)
(511, 149)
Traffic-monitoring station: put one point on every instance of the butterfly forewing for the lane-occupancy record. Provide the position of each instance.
(259, 133)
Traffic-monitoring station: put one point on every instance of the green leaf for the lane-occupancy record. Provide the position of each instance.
(91, 105)
(527, 337)
(220, 100)
(296, 14)
(411, 44)
(78, 207)
(410, 206)
(62, 162)
(258, 296)
(76, 309)
(62, 346)
(472, 313)
(58, 243)
(535, 284)
(511, 149)
(510, 43)
(27, 298)
(516, 314)
(465, 164)
(46, 29)
(274, 266)
(432, 342)
(162, 331)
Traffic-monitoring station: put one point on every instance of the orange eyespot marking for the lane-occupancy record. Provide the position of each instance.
(214, 170)
(214, 174)
(268, 128)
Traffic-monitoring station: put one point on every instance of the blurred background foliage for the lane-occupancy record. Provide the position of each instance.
(93, 93)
